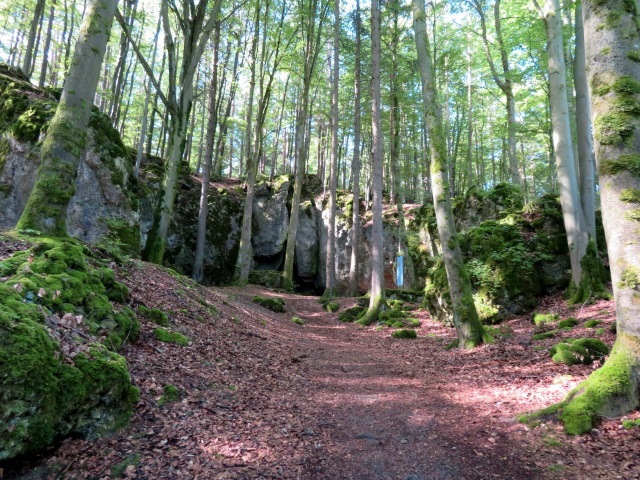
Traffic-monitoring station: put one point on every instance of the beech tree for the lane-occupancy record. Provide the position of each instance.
(586, 272)
(46, 209)
(465, 317)
(612, 32)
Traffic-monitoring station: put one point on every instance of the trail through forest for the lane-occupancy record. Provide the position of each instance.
(255, 396)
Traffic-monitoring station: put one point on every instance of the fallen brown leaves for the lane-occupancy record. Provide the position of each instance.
(260, 397)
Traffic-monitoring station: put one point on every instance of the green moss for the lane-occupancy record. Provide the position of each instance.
(156, 315)
(118, 470)
(632, 215)
(634, 55)
(376, 307)
(630, 277)
(626, 85)
(405, 333)
(630, 195)
(273, 304)
(170, 337)
(351, 314)
(613, 127)
(332, 307)
(297, 320)
(593, 278)
(600, 331)
(624, 163)
(545, 335)
(33, 121)
(568, 323)
(592, 323)
(583, 350)
(545, 318)
(266, 278)
(171, 395)
(629, 424)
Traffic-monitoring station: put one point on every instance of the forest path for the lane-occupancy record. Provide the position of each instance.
(383, 413)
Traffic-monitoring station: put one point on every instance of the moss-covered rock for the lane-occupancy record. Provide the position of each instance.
(46, 391)
(575, 351)
(545, 335)
(156, 315)
(568, 323)
(266, 278)
(593, 323)
(405, 333)
(351, 314)
(273, 304)
(544, 318)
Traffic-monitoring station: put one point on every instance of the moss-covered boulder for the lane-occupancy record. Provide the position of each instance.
(266, 278)
(104, 207)
(61, 319)
(478, 205)
(575, 351)
(273, 304)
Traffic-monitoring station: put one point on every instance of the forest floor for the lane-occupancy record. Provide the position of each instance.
(261, 397)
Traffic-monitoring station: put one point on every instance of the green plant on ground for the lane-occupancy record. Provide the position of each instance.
(568, 323)
(575, 351)
(351, 314)
(156, 315)
(543, 318)
(171, 337)
(592, 323)
(404, 333)
(171, 394)
(545, 335)
(118, 470)
(273, 304)
(630, 424)
(297, 320)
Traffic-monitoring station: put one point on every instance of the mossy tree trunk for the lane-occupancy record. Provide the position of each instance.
(465, 317)
(355, 229)
(612, 34)
(378, 297)
(586, 277)
(46, 209)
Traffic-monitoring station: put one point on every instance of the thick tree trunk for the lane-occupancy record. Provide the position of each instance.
(465, 317)
(613, 65)
(46, 209)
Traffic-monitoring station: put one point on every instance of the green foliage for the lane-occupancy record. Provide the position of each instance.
(583, 350)
(273, 304)
(332, 306)
(592, 323)
(297, 320)
(171, 394)
(266, 278)
(351, 314)
(405, 333)
(545, 318)
(33, 121)
(118, 470)
(545, 335)
(630, 424)
(156, 315)
(170, 337)
(568, 323)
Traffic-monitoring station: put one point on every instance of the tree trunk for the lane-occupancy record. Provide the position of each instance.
(465, 317)
(47, 45)
(330, 286)
(586, 279)
(583, 122)
(46, 209)
(613, 69)
(355, 218)
(377, 292)
(27, 63)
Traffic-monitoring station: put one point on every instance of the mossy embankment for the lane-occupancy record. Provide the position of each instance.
(62, 320)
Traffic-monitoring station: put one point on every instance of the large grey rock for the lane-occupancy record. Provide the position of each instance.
(16, 178)
(307, 242)
(270, 221)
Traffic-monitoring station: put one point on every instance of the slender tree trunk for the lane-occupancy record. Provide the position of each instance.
(46, 209)
(465, 317)
(378, 294)
(585, 281)
(47, 45)
(330, 286)
(583, 122)
(27, 63)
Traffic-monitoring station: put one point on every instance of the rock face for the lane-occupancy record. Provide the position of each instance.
(104, 208)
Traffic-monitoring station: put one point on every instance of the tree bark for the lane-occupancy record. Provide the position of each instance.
(46, 209)
(465, 318)
(377, 292)
(613, 66)
(47, 45)
(355, 219)
(27, 62)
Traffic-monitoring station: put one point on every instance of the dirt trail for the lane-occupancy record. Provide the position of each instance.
(381, 417)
